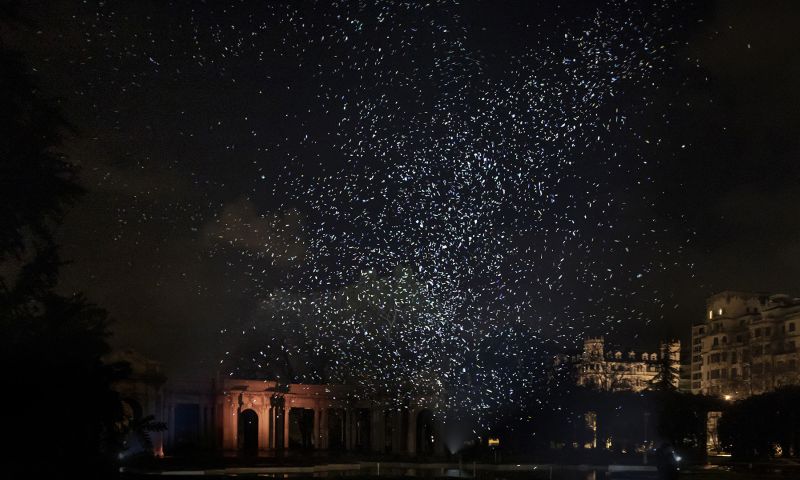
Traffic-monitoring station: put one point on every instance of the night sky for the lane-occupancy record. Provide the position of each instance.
(588, 168)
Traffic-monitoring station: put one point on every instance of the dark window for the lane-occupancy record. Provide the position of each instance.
(757, 332)
(733, 372)
(733, 357)
(714, 374)
(791, 327)
(738, 338)
(716, 341)
(767, 331)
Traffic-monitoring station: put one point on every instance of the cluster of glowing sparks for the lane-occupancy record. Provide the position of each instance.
(474, 200)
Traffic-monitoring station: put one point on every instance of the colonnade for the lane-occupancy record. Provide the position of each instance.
(261, 416)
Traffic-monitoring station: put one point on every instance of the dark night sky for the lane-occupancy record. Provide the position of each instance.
(175, 104)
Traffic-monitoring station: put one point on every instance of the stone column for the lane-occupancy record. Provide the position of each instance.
(218, 414)
(398, 441)
(171, 423)
(286, 410)
(377, 429)
(348, 432)
(235, 422)
(412, 431)
(352, 427)
(316, 434)
(271, 427)
(263, 425)
(273, 433)
(201, 422)
(230, 425)
(324, 441)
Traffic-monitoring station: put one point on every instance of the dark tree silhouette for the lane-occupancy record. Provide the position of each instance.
(142, 428)
(682, 420)
(666, 380)
(36, 181)
(57, 404)
(763, 426)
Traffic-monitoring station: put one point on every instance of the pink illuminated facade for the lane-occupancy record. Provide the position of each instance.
(256, 416)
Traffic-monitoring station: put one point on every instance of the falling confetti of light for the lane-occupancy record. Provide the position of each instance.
(447, 217)
(444, 254)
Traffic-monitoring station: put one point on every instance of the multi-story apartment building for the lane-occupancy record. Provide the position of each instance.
(620, 369)
(746, 344)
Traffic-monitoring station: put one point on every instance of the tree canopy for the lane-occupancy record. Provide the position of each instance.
(59, 401)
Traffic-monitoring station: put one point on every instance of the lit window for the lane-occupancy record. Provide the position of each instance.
(710, 314)
(719, 312)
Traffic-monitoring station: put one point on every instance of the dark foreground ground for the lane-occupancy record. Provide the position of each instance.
(354, 470)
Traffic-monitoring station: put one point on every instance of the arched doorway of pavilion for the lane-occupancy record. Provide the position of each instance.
(301, 428)
(248, 432)
(336, 430)
(425, 433)
(363, 429)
